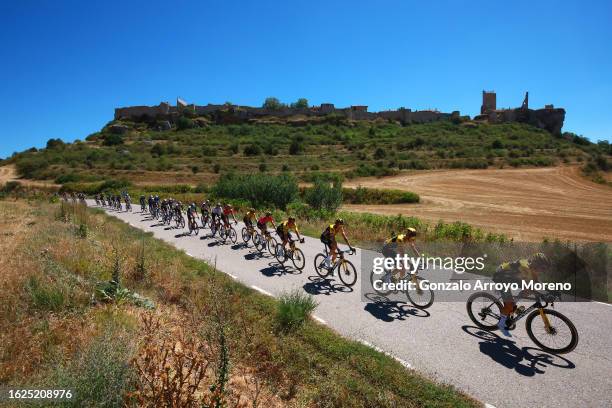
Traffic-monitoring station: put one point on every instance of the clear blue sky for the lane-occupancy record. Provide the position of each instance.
(65, 65)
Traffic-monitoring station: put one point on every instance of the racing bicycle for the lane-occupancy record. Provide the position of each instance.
(346, 270)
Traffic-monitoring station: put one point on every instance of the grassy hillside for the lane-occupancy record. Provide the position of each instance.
(198, 150)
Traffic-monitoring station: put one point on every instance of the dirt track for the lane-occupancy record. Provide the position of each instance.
(9, 173)
(527, 204)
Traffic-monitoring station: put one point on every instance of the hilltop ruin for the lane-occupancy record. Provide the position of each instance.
(548, 118)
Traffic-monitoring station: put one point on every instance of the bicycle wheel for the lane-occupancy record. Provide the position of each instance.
(259, 242)
(213, 229)
(233, 235)
(419, 297)
(484, 310)
(196, 229)
(319, 264)
(298, 259)
(347, 272)
(182, 220)
(280, 253)
(272, 246)
(560, 338)
(246, 235)
(223, 233)
(378, 277)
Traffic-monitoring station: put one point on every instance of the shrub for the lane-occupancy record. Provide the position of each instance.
(217, 168)
(326, 194)
(184, 123)
(55, 144)
(31, 167)
(112, 139)
(293, 309)
(296, 147)
(363, 195)
(252, 150)
(260, 190)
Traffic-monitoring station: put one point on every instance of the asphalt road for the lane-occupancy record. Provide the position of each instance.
(440, 342)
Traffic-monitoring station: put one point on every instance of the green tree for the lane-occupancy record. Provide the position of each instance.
(326, 193)
(273, 103)
(301, 103)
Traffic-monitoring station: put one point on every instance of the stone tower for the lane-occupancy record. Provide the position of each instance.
(489, 102)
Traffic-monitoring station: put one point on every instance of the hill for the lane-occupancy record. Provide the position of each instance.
(197, 149)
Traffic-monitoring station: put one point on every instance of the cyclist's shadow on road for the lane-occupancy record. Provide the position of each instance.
(527, 361)
(324, 286)
(275, 269)
(387, 310)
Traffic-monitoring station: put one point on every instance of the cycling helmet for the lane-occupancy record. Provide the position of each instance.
(291, 219)
(268, 213)
(251, 209)
(340, 221)
(539, 260)
(411, 232)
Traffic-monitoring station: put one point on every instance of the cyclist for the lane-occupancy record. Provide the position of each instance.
(143, 206)
(262, 223)
(328, 238)
(228, 210)
(396, 245)
(514, 272)
(248, 219)
(283, 230)
(217, 213)
(191, 215)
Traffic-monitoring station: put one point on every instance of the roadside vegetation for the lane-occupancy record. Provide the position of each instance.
(200, 149)
(123, 319)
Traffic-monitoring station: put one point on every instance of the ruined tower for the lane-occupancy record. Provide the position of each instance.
(489, 102)
(525, 104)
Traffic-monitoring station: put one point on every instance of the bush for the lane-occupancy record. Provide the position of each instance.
(363, 195)
(296, 147)
(293, 309)
(31, 167)
(273, 104)
(259, 189)
(112, 140)
(326, 194)
(184, 123)
(252, 150)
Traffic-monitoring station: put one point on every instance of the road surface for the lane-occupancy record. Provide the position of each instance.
(441, 342)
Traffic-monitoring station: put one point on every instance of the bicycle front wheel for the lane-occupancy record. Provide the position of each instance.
(484, 310)
(347, 272)
(272, 246)
(421, 298)
(378, 277)
(298, 259)
(558, 336)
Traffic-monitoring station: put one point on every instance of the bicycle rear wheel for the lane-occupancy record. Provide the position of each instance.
(560, 338)
(419, 297)
(484, 310)
(259, 242)
(378, 277)
(232, 235)
(298, 259)
(319, 265)
(280, 254)
(246, 235)
(347, 272)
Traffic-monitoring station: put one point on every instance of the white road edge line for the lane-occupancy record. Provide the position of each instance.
(399, 360)
(260, 290)
(318, 319)
(233, 276)
(487, 405)
(603, 303)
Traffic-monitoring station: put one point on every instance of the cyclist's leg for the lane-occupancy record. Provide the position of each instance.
(506, 310)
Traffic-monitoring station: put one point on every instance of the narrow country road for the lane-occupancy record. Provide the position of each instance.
(440, 342)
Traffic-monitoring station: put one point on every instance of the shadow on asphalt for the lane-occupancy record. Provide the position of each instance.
(527, 361)
(324, 286)
(275, 269)
(388, 310)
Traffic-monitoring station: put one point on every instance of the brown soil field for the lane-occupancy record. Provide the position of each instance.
(525, 204)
